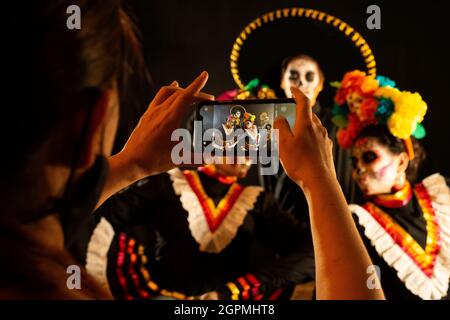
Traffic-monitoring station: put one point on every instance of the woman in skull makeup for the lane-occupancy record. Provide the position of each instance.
(252, 132)
(230, 239)
(405, 226)
(237, 114)
(303, 72)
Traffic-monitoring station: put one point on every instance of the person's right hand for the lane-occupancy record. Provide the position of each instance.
(305, 151)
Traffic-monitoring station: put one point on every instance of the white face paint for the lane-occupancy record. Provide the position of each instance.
(375, 168)
(304, 74)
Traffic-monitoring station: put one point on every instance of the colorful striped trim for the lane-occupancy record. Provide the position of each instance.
(137, 261)
(424, 259)
(214, 215)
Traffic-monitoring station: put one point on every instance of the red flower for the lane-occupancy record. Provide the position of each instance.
(341, 97)
(347, 136)
(368, 109)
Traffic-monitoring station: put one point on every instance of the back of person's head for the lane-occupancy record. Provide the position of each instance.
(54, 78)
(51, 72)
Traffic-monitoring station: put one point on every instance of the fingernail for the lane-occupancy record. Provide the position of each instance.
(206, 96)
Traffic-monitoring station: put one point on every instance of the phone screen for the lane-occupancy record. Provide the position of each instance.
(246, 124)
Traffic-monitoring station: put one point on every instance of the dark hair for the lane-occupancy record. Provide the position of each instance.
(396, 146)
(51, 71)
(288, 60)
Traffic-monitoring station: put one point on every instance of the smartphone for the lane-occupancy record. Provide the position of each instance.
(244, 125)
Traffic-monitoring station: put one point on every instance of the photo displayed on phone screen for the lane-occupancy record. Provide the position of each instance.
(243, 126)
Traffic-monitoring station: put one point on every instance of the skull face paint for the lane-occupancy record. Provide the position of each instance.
(304, 74)
(375, 168)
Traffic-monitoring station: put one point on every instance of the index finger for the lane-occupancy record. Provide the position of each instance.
(197, 84)
(192, 93)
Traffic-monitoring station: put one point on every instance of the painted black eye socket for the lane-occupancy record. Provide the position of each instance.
(309, 76)
(369, 157)
(294, 75)
(354, 162)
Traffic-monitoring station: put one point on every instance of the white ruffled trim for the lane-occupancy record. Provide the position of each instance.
(415, 280)
(97, 252)
(213, 242)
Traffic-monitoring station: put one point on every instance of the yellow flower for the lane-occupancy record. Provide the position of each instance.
(387, 92)
(411, 106)
(400, 126)
(409, 110)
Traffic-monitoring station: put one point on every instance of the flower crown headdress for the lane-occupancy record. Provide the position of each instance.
(362, 100)
(253, 90)
(249, 117)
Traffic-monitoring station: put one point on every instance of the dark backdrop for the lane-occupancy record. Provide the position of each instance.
(181, 38)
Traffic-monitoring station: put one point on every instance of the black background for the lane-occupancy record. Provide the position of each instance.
(182, 38)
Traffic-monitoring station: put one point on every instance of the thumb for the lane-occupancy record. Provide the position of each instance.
(304, 110)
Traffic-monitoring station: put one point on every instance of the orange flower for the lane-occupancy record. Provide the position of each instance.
(368, 86)
(356, 81)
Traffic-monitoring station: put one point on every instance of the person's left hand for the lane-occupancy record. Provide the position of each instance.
(148, 149)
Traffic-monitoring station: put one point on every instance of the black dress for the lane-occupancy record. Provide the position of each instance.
(410, 243)
(141, 243)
